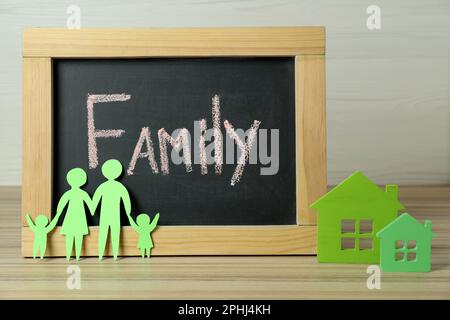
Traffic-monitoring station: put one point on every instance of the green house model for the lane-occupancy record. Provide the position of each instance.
(406, 245)
(349, 217)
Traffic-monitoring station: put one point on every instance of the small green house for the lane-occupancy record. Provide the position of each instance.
(406, 245)
(349, 217)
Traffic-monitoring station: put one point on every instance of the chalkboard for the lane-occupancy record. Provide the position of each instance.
(172, 93)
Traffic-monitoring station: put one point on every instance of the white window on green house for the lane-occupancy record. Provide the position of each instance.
(356, 234)
(405, 250)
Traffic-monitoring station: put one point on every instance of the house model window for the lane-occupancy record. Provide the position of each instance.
(405, 250)
(356, 234)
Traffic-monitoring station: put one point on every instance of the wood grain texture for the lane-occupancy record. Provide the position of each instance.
(159, 42)
(245, 277)
(310, 122)
(37, 137)
(205, 240)
(388, 94)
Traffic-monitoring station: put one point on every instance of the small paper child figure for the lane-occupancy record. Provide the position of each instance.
(144, 229)
(40, 230)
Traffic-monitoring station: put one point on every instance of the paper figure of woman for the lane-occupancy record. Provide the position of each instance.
(75, 225)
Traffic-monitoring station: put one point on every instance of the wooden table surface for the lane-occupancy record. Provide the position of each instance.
(267, 277)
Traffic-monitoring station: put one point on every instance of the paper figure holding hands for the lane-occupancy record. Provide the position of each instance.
(40, 230)
(110, 193)
(144, 228)
(75, 225)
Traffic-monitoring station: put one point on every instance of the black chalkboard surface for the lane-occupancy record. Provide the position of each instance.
(173, 93)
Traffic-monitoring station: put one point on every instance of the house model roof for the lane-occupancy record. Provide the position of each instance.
(405, 223)
(358, 190)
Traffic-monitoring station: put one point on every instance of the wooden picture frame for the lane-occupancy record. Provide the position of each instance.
(306, 44)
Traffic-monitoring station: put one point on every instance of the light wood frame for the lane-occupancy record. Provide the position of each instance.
(306, 44)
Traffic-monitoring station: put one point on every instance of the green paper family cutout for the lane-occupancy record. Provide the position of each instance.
(109, 195)
(40, 230)
(355, 214)
(75, 225)
(144, 229)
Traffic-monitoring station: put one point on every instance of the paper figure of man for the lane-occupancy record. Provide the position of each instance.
(110, 193)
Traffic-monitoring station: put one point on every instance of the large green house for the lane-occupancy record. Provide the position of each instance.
(349, 217)
(406, 245)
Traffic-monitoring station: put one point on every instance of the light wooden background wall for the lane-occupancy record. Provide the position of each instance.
(388, 90)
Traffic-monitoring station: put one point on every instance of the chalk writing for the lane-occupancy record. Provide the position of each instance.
(180, 140)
